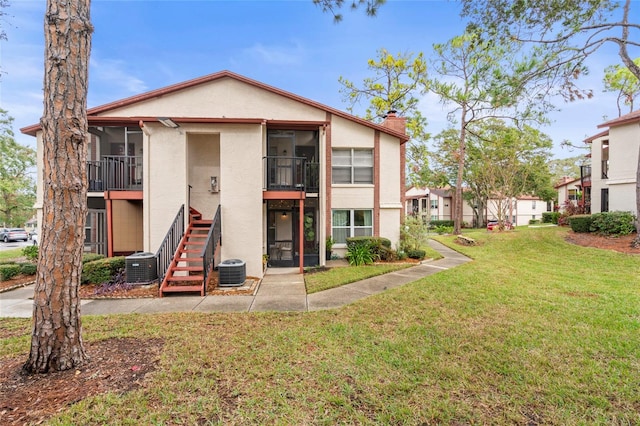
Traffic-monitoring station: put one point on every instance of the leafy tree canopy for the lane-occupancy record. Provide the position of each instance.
(395, 84)
(17, 188)
(621, 80)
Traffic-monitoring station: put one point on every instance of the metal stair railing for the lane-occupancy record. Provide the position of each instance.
(209, 250)
(168, 247)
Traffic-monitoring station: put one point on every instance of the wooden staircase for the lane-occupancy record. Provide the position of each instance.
(186, 272)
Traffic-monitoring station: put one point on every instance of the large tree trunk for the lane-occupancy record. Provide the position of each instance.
(56, 342)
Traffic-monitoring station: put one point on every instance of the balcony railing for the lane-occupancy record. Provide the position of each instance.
(115, 172)
(291, 174)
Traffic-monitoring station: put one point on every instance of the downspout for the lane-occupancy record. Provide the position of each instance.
(146, 189)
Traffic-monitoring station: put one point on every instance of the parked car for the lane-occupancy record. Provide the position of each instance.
(13, 234)
(493, 223)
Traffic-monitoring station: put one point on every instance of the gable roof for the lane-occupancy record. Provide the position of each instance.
(596, 136)
(93, 114)
(632, 117)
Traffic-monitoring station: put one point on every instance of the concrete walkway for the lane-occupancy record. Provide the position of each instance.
(280, 290)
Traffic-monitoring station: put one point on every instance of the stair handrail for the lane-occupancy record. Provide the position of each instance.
(168, 247)
(210, 245)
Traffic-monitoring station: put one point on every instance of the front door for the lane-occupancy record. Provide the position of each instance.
(280, 233)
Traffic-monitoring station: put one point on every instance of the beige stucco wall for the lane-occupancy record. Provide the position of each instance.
(127, 226)
(222, 98)
(624, 143)
(203, 160)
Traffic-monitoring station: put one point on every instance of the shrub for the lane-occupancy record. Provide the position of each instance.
(90, 257)
(28, 268)
(380, 247)
(413, 233)
(550, 217)
(534, 221)
(444, 229)
(387, 254)
(416, 254)
(613, 223)
(360, 254)
(570, 209)
(102, 270)
(117, 282)
(8, 271)
(30, 252)
(580, 223)
(436, 223)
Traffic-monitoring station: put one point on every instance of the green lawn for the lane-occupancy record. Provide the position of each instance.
(12, 254)
(338, 276)
(534, 331)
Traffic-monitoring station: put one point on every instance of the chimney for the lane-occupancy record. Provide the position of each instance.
(395, 123)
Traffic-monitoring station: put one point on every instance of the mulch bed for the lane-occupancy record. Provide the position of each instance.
(115, 365)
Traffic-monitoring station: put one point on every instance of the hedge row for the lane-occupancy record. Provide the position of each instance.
(605, 223)
(10, 270)
(102, 270)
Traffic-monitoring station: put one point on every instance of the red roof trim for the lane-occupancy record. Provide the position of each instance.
(594, 137)
(216, 76)
(624, 119)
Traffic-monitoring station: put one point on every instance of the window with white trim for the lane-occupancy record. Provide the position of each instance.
(351, 223)
(352, 166)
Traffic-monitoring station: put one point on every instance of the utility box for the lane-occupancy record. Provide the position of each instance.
(232, 273)
(141, 268)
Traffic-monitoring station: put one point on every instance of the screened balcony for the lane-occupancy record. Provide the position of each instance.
(291, 174)
(115, 173)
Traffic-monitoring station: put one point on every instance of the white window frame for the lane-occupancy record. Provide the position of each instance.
(351, 226)
(352, 166)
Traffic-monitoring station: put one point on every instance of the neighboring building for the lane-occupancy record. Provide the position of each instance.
(284, 172)
(437, 204)
(614, 164)
(569, 191)
(433, 204)
(519, 211)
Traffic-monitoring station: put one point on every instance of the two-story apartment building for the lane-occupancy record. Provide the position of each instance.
(273, 172)
(614, 164)
(437, 204)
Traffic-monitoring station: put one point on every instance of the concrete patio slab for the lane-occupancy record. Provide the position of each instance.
(225, 304)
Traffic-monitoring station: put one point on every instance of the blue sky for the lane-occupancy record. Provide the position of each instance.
(144, 45)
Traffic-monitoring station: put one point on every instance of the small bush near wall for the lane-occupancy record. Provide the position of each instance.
(550, 217)
(102, 270)
(436, 223)
(613, 223)
(90, 257)
(28, 268)
(8, 271)
(379, 247)
(580, 223)
(534, 221)
(416, 254)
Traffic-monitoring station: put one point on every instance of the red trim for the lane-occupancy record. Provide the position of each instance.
(283, 195)
(632, 117)
(327, 172)
(109, 227)
(123, 195)
(217, 76)
(301, 235)
(376, 183)
(403, 165)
